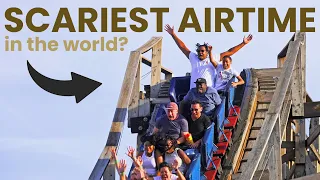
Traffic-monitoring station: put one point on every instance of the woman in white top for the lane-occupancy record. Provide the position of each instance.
(172, 153)
(147, 157)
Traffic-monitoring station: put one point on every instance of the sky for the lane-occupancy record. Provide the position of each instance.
(45, 136)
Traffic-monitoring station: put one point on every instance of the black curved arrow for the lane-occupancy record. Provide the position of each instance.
(79, 86)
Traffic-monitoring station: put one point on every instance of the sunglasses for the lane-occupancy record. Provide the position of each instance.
(200, 50)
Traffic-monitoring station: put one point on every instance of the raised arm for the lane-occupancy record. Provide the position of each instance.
(240, 82)
(212, 60)
(179, 173)
(178, 41)
(236, 48)
(184, 157)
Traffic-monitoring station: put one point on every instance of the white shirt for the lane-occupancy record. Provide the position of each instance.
(202, 69)
(173, 177)
(169, 158)
(223, 76)
(149, 164)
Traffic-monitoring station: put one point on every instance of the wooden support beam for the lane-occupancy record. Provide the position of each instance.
(300, 147)
(311, 109)
(289, 156)
(156, 70)
(258, 175)
(310, 177)
(310, 169)
(291, 172)
(133, 108)
(314, 123)
(273, 112)
(313, 135)
(298, 80)
(274, 160)
(288, 144)
(315, 152)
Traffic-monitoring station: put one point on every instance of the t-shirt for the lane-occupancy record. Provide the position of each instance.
(172, 128)
(173, 177)
(202, 69)
(198, 127)
(209, 99)
(223, 76)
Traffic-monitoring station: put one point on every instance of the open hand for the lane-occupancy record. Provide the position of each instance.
(246, 40)
(169, 29)
(122, 166)
(130, 152)
(113, 153)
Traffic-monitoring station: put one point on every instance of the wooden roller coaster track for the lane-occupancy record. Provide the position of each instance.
(269, 141)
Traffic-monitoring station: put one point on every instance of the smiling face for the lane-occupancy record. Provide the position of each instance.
(201, 87)
(165, 173)
(169, 146)
(202, 52)
(196, 110)
(226, 62)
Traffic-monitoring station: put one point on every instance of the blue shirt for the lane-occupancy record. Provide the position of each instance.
(209, 100)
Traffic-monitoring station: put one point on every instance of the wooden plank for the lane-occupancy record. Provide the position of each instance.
(257, 124)
(310, 169)
(265, 96)
(313, 135)
(260, 115)
(133, 110)
(288, 157)
(298, 80)
(314, 123)
(283, 53)
(291, 172)
(119, 117)
(311, 109)
(250, 145)
(276, 170)
(315, 152)
(148, 45)
(156, 69)
(273, 113)
(263, 106)
(266, 155)
(288, 144)
(300, 147)
(241, 133)
(254, 134)
(246, 156)
(310, 177)
(284, 116)
(258, 175)
(271, 72)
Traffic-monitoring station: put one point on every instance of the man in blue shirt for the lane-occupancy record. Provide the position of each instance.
(208, 96)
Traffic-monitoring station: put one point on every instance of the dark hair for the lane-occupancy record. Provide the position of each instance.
(227, 57)
(165, 164)
(196, 102)
(206, 45)
(161, 143)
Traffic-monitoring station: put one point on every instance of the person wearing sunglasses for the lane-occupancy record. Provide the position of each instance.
(200, 63)
(198, 123)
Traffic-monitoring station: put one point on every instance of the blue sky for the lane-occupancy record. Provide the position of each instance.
(44, 136)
